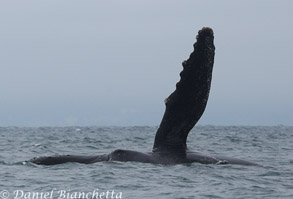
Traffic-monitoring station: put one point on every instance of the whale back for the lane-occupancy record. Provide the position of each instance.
(186, 104)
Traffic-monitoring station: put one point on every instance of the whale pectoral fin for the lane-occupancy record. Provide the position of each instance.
(187, 103)
(61, 159)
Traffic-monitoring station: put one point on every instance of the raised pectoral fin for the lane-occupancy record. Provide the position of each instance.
(186, 104)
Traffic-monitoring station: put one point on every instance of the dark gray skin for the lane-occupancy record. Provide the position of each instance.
(135, 156)
(184, 107)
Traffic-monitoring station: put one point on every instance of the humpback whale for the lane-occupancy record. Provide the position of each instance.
(184, 107)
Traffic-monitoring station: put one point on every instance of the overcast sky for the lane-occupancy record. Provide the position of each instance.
(93, 62)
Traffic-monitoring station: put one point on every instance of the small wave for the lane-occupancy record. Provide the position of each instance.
(271, 173)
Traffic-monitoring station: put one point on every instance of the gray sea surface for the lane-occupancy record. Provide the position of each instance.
(268, 146)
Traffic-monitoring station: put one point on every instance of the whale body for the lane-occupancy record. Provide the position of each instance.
(184, 107)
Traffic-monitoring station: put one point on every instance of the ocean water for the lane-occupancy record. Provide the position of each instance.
(269, 146)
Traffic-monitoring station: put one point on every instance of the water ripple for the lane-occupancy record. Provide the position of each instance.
(269, 146)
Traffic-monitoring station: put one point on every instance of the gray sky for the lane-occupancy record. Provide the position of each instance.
(95, 62)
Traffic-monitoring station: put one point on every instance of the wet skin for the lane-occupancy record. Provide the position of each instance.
(184, 107)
